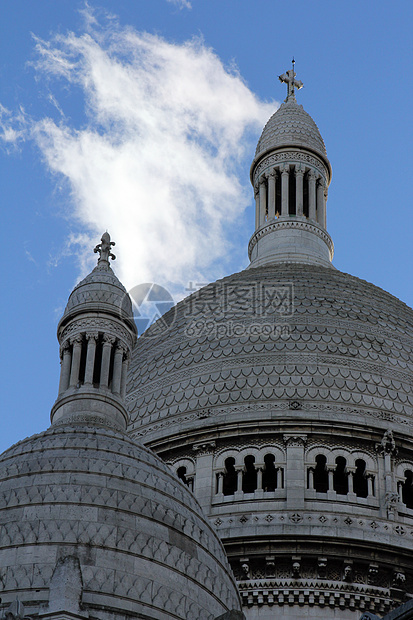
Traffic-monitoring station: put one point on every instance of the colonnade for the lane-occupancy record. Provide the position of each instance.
(349, 477)
(94, 359)
(290, 190)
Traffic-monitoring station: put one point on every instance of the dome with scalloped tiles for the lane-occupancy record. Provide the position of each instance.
(100, 291)
(280, 341)
(291, 126)
(143, 546)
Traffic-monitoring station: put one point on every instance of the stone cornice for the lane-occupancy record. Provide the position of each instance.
(272, 158)
(282, 224)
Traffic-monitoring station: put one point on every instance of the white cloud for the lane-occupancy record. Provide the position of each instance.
(158, 161)
(182, 4)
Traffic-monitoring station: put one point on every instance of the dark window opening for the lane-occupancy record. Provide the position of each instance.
(360, 485)
(407, 489)
(98, 361)
(181, 472)
(111, 365)
(291, 193)
(305, 196)
(82, 366)
(340, 478)
(230, 477)
(278, 196)
(249, 477)
(269, 475)
(321, 474)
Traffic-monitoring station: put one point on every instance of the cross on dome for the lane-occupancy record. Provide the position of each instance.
(288, 78)
(104, 248)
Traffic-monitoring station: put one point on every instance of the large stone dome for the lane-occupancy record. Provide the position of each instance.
(260, 340)
(291, 125)
(91, 492)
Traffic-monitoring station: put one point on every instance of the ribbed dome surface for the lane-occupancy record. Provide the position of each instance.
(345, 346)
(291, 126)
(100, 291)
(143, 547)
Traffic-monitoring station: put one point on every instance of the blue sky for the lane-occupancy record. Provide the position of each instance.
(152, 135)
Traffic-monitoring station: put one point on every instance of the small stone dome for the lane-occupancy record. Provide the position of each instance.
(92, 494)
(291, 125)
(100, 291)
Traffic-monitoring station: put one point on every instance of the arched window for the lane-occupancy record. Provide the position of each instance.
(181, 472)
(321, 474)
(407, 489)
(340, 478)
(230, 477)
(249, 478)
(269, 475)
(360, 485)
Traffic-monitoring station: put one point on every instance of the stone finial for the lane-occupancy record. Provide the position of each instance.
(387, 444)
(289, 78)
(15, 611)
(104, 248)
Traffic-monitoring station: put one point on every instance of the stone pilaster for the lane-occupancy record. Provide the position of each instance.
(203, 484)
(294, 475)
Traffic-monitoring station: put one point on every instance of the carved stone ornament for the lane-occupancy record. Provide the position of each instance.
(294, 441)
(290, 156)
(206, 447)
(387, 444)
(99, 325)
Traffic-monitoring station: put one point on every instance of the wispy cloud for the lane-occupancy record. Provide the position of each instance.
(182, 4)
(158, 161)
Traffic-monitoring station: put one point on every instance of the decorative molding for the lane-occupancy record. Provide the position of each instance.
(273, 159)
(97, 325)
(291, 224)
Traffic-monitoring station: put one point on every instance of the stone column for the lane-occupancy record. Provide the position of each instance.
(311, 477)
(325, 207)
(203, 486)
(331, 494)
(77, 352)
(240, 472)
(65, 367)
(220, 490)
(320, 202)
(400, 491)
(295, 473)
(125, 368)
(350, 480)
(278, 478)
(91, 338)
(370, 485)
(271, 195)
(259, 477)
(257, 207)
(312, 195)
(117, 369)
(285, 174)
(299, 182)
(263, 199)
(108, 341)
(351, 496)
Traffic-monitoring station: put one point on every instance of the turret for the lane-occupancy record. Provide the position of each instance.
(290, 175)
(96, 336)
